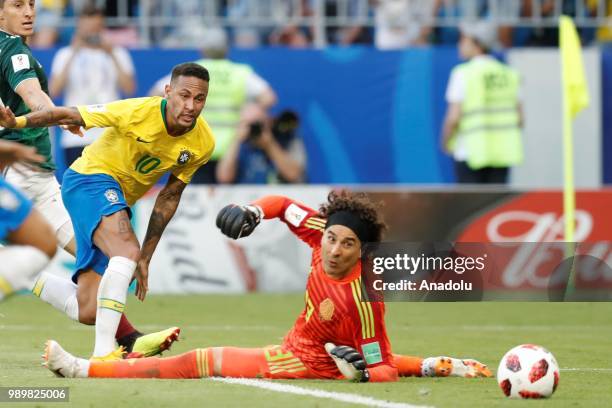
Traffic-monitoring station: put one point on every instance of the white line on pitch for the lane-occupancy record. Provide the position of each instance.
(446, 327)
(146, 327)
(313, 392)
(223, 327)
(605, 370)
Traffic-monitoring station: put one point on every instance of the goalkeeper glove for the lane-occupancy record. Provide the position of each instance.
(350, 363)
(237, 221)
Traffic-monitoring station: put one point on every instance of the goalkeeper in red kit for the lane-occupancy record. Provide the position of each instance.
(338, 334)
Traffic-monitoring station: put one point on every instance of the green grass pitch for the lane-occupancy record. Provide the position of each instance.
(579, 334)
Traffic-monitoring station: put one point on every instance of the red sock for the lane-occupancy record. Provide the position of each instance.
(193, 364)
(125, 328)
(408, 366)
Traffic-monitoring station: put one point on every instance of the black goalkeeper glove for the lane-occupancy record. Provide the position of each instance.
(350, 363)
(237, 221)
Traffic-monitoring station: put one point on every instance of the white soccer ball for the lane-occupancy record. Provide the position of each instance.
(528, 371)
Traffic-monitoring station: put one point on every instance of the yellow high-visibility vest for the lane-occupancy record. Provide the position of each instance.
(490, 120)
(226, 97)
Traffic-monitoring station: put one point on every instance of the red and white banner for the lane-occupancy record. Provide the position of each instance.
(531, 218)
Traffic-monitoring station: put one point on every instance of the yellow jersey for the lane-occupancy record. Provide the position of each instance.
(136, 149)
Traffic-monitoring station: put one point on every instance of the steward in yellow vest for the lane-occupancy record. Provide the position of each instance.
(482, 128)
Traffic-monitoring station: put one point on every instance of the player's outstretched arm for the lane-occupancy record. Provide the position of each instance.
(50, 116)
(237, 221)
(36, 99)
(33, 96)
(165, 206)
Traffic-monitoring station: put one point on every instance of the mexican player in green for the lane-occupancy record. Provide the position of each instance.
(23, 88)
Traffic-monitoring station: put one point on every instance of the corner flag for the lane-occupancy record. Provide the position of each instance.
(575, 99)
(574, 80)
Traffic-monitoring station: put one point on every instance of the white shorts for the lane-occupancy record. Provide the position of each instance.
(43, 189)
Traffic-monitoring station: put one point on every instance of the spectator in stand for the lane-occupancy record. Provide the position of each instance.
(247, 35)
(189, 16)
(90, 71)
(356, 33)
(49, 13)
(403, 23)
(460, 10)
(505, 13)
(549, 36)
(604, 33)
(290, 34)
(348, 30)
(117, 34)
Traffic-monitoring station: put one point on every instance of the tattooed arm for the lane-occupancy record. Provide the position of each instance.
(37, 100)
(165, 206)
(49, 116)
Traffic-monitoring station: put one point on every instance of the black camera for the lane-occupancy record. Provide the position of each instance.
(285, 123)
(283, 128)
(255, 131)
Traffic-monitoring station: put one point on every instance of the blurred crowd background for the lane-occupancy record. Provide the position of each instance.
(387, 24)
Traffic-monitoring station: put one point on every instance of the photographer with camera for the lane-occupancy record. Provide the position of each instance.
(265, 151)
(88, 72)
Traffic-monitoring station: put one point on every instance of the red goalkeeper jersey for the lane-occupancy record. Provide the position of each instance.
(333, 309)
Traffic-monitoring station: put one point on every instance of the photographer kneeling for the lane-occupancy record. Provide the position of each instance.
(265, 151)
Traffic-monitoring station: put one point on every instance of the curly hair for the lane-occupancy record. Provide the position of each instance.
(361, 205)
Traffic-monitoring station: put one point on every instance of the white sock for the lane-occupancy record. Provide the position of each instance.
(19, 266)
(428, 367)
(112, 294)
(58, 292)
(82, 370)
(457, 369)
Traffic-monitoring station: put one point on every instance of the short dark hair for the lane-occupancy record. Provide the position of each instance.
(190, 69)
(90, 10)
(359, 204)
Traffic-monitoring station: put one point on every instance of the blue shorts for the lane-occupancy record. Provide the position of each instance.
(88, 198)
(14, 208)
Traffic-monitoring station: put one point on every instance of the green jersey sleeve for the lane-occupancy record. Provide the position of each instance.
(16, 62)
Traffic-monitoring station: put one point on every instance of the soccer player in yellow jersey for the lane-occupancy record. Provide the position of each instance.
(144, 139)
(23, 87)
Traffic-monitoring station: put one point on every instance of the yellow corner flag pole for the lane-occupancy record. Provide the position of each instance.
(575, 99)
